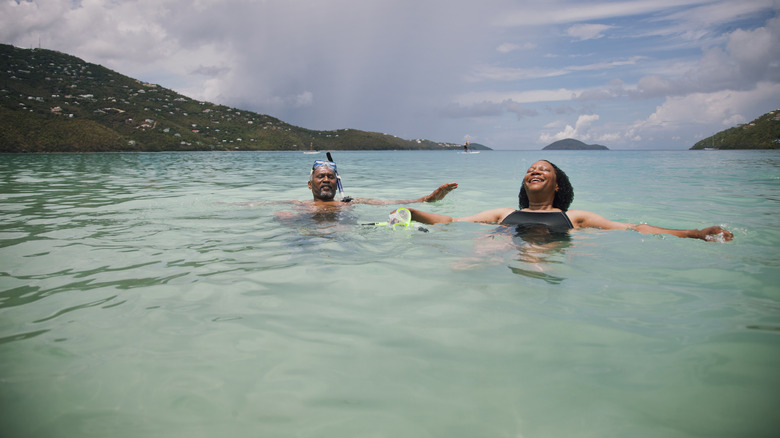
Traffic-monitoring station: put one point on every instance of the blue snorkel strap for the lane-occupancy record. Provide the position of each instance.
(338, 182)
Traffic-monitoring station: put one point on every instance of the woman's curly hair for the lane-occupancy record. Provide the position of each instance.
(563, 197)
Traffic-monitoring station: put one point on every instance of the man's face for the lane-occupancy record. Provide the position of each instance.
(323, 183)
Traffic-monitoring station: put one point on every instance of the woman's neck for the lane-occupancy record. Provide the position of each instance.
(536, 205)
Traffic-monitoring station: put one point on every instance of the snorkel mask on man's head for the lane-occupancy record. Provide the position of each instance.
(319, 163)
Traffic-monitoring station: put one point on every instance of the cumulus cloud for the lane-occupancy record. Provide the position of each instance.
(723, 108)
(579, 131)
(757, 51)
(748, 57)
(720, 89)
(693, 116)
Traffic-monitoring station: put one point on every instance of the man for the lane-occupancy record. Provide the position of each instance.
(324, 182)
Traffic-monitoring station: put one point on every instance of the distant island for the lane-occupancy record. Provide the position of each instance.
(570, 144)
(54, 102)
(761, 133)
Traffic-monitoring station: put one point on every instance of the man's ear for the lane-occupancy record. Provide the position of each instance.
(309, 184)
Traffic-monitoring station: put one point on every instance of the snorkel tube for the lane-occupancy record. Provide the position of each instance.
(338, 182)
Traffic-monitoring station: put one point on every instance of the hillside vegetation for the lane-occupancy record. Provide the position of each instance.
(762, 133)
(54, 102)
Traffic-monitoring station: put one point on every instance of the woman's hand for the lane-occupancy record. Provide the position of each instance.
(715, 234)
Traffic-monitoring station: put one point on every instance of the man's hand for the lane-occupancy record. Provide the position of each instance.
(441, 192)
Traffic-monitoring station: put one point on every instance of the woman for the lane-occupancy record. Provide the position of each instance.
(544, 200)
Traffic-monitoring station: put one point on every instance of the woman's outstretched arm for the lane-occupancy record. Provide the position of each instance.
(585, 219)
(713, 233)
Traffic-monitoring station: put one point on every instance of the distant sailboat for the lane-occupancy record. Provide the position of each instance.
(311, 149)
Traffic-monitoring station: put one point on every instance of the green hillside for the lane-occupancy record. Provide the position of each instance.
(53, 102)
(762, 133)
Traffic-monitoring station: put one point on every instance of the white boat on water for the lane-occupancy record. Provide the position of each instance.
(311, 150)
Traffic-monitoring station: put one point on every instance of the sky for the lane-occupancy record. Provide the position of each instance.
(512, 75)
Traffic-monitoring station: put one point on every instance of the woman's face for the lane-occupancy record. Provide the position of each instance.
(540, 177)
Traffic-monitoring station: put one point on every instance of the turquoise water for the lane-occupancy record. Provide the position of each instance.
(158, 295)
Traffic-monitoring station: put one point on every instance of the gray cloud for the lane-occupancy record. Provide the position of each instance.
(398, 67)
(488, 109)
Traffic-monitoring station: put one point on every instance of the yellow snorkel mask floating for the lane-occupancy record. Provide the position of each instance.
(401, 218)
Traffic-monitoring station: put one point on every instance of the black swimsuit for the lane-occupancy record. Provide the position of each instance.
(553, 221)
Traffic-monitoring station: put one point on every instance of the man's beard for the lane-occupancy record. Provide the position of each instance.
(327, 194)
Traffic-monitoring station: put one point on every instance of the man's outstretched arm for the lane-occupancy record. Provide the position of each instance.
(436, 195)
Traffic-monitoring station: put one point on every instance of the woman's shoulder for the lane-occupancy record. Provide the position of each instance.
(576, 213)
(502, 213)
(580, 217)
(494, 216)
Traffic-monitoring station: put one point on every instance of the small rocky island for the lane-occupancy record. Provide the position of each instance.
(570, 144)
